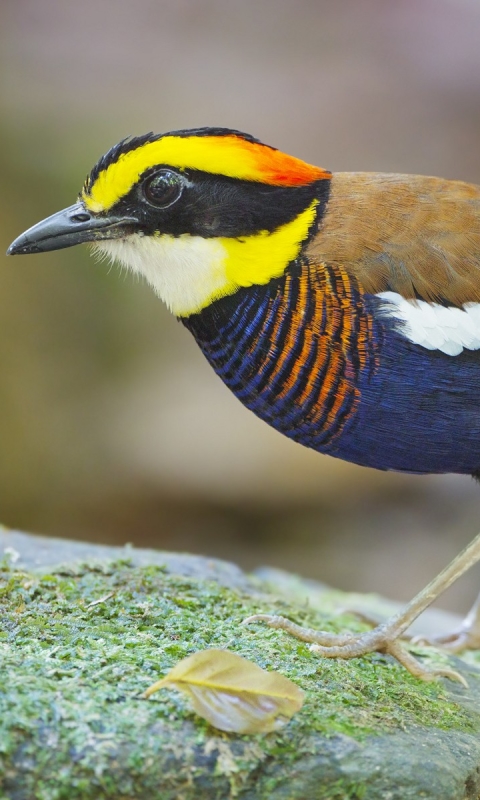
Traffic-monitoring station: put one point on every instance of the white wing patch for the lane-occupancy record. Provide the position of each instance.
(434, 326)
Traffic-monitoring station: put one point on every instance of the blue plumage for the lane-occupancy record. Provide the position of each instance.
(420, 410)
(403, 408)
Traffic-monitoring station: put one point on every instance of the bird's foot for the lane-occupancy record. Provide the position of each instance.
(466, 637)
(454, 642)
(381, 639)
(384, 638)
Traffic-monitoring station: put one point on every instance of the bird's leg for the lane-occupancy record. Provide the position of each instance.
(384, 638)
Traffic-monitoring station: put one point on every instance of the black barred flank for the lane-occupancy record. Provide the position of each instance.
(288, 350)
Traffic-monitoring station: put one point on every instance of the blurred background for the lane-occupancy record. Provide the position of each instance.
(112, 427)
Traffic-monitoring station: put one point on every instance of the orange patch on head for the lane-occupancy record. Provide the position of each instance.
(281, 169)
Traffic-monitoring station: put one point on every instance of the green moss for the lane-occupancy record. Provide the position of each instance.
(73, 670)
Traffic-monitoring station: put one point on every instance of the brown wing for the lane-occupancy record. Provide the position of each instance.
(410, 234)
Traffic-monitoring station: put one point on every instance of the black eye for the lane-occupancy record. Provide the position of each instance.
(163, 188)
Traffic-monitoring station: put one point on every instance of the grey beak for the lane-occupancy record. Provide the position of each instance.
(71, 226)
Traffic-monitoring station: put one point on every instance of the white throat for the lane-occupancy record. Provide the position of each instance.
(186, 272)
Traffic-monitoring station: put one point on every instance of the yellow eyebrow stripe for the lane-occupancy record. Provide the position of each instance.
(231, 156)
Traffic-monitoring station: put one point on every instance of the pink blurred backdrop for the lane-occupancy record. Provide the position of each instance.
(112, 427)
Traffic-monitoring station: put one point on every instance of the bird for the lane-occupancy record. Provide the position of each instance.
(343, 309)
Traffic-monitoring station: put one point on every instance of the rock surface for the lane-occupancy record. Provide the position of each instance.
(79, 642)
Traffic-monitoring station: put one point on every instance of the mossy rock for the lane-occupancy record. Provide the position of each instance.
(79, 643)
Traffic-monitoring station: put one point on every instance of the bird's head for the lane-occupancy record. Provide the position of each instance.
(199, 213)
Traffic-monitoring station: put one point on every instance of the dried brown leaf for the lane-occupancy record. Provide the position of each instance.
(232, 693)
